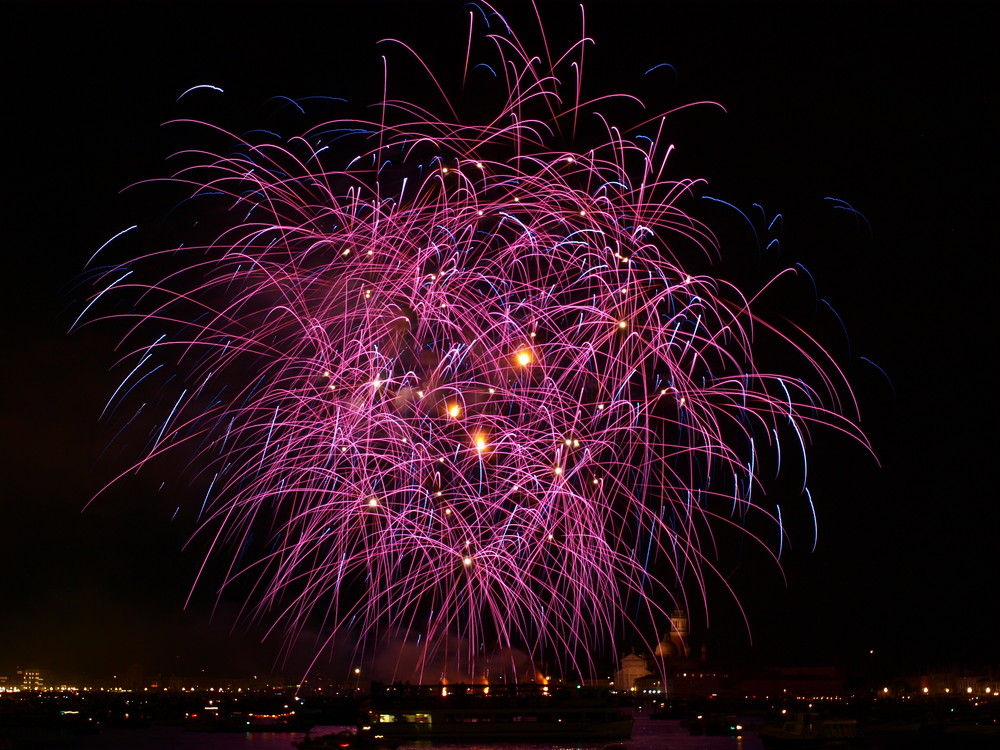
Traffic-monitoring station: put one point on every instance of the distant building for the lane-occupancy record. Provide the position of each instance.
(805, 683)
(674, 644)
(30, 679)
(633, 668)
(132, 678)
(669, 670)
(971, 683)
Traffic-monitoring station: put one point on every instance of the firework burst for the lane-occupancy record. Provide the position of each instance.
(450, 379)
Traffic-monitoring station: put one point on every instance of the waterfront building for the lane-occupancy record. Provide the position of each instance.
(669, 670)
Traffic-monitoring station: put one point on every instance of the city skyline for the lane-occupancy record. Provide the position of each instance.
(836, 108)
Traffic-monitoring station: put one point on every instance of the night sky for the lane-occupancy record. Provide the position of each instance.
(885, 107)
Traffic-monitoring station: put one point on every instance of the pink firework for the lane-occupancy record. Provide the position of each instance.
(447, 381)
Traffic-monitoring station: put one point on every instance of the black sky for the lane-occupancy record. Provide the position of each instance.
(884, 106)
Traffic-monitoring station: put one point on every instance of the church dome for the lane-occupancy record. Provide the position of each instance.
(665, 648)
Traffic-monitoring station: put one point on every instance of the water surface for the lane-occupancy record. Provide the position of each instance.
(647, 735)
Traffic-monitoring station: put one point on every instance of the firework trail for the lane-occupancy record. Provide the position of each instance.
(447, 378)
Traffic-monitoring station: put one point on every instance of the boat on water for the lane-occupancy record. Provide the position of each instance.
(469, 713)
(808, 730)
(713, 725)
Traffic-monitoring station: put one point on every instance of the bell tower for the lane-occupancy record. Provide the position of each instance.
(679, 632)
